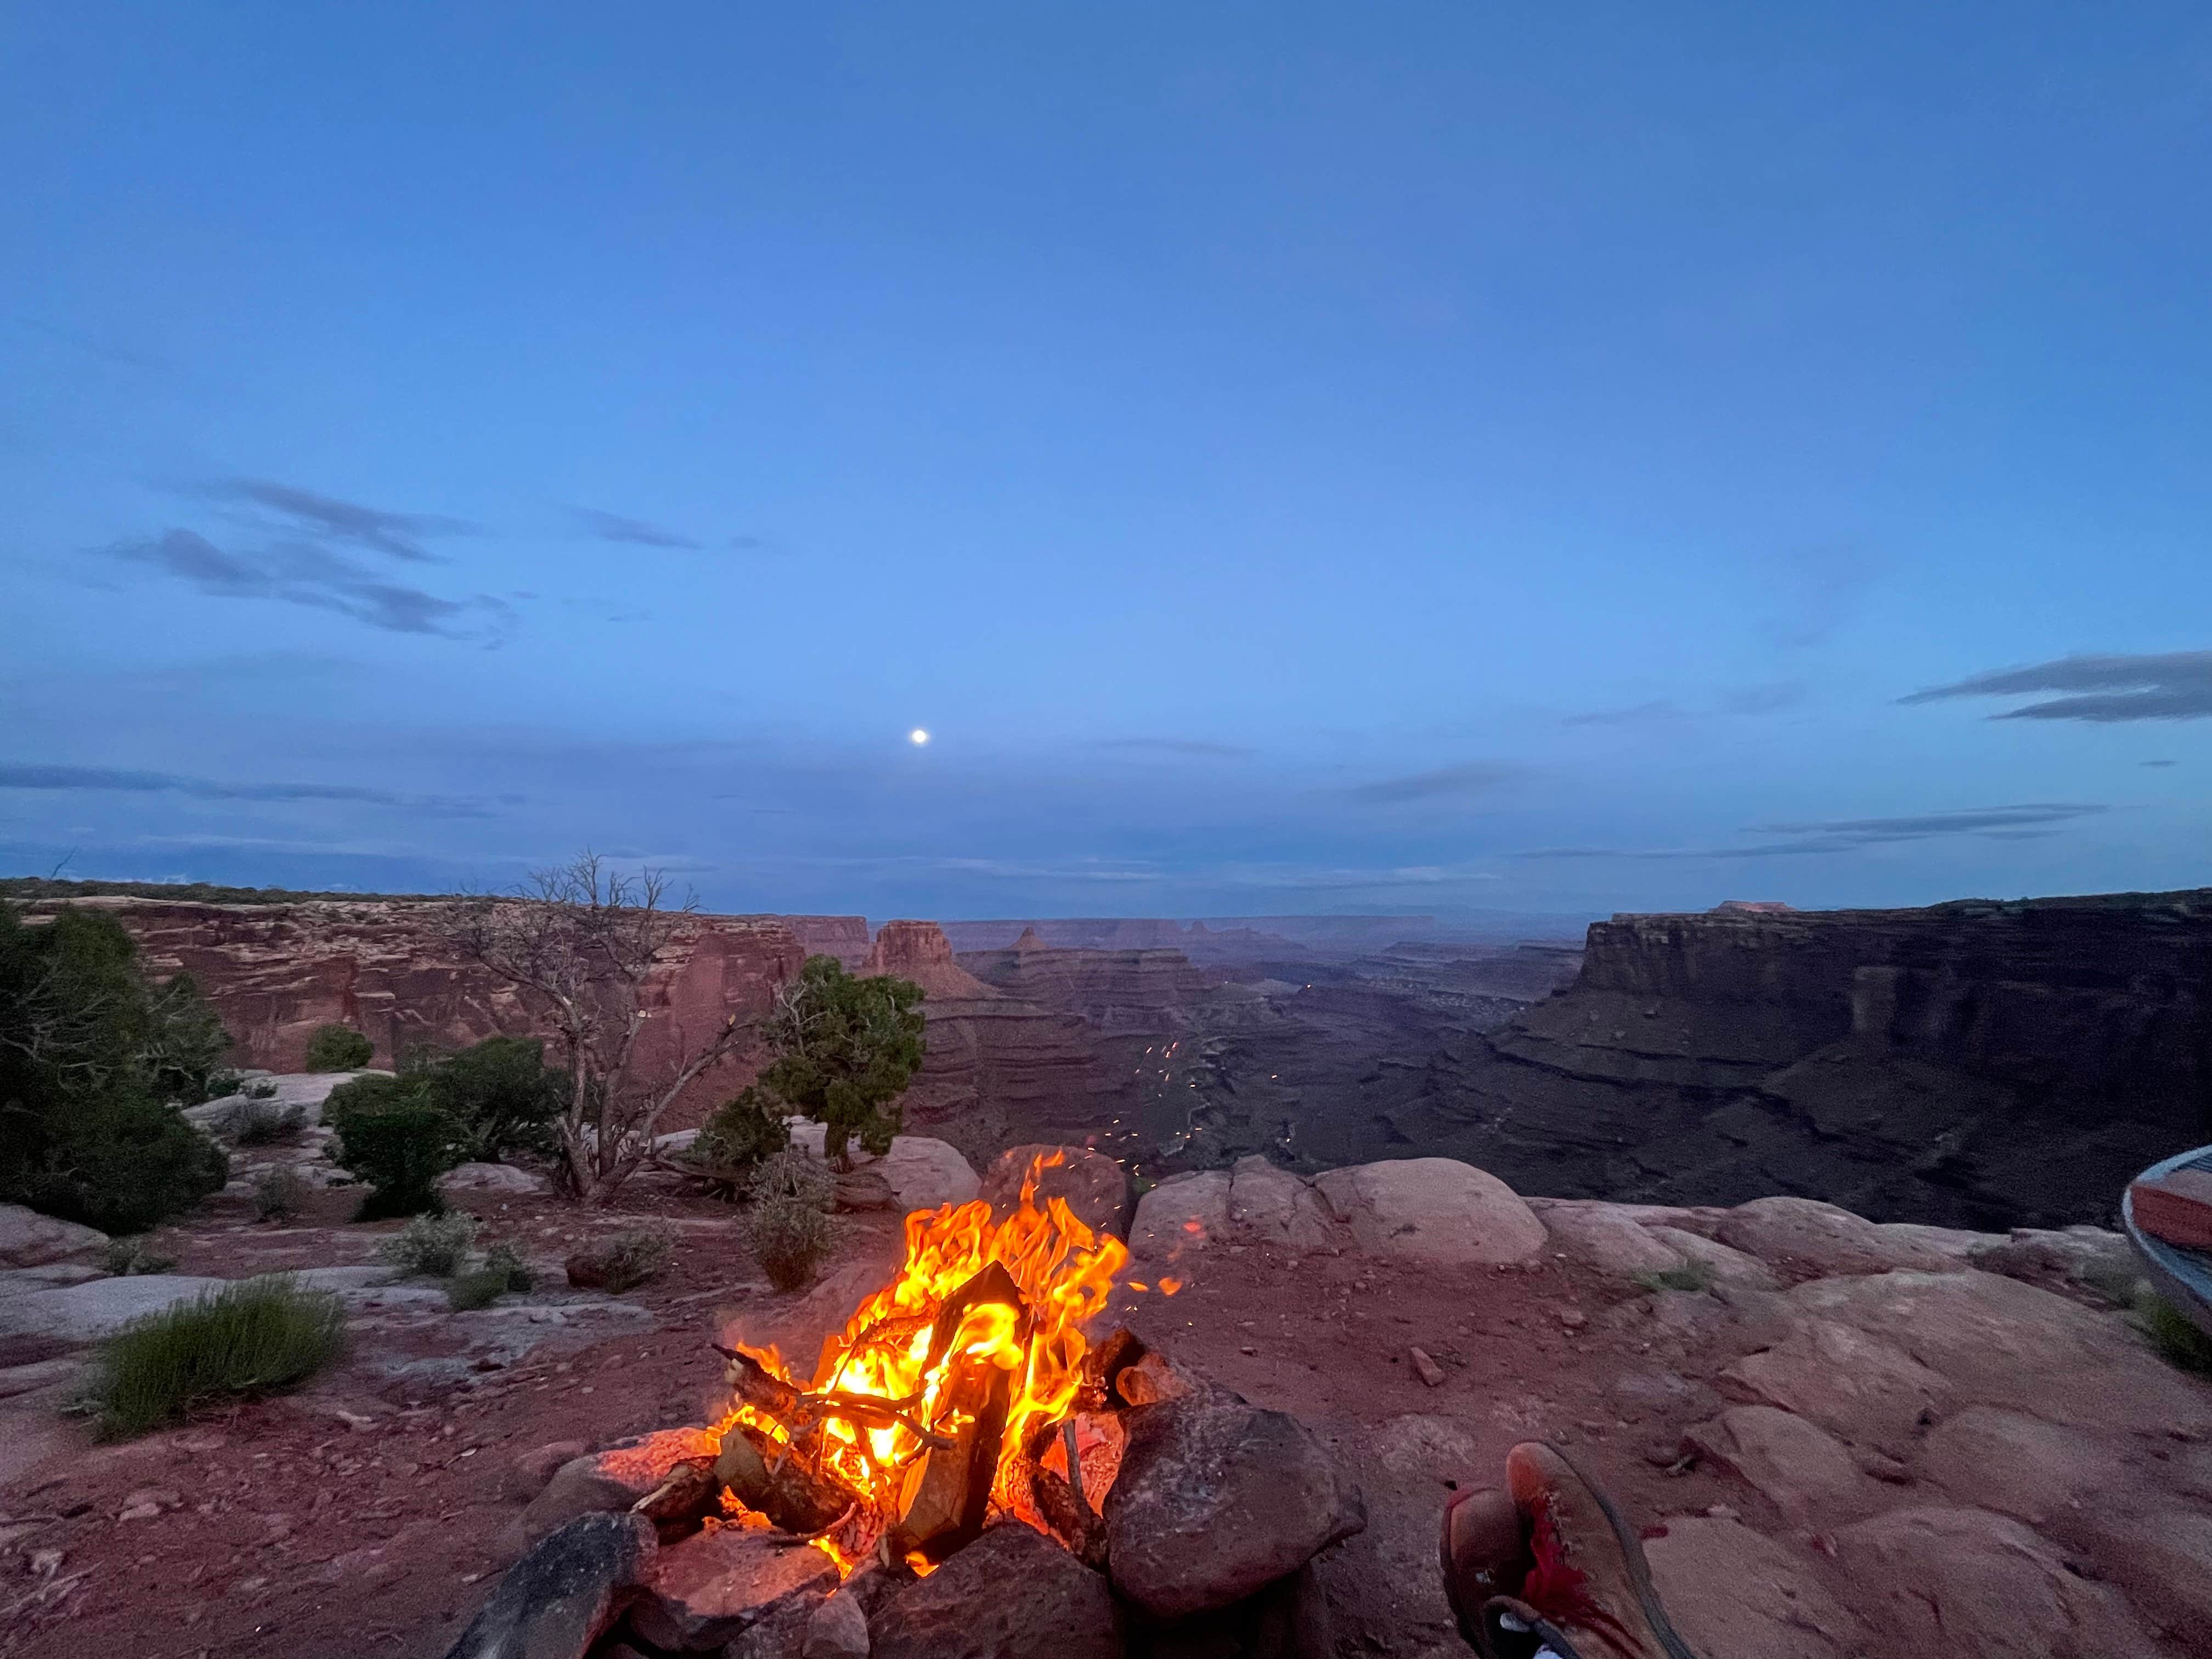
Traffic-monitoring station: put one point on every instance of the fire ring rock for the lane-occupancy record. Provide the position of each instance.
(708, 1590)
(1217, 1499)
(556, 1601)
(1012, 1594)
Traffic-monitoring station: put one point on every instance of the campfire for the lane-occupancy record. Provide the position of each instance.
(953, 1391)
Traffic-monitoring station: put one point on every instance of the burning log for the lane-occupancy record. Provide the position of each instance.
(1060, 1503)
(688, 1496)
(776, 1480)
(946, 1495)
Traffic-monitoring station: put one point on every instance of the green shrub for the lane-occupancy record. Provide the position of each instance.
(736, 1136)
(256, 1337)
(279, 1194)
(2177, 1338)
(260, 1088)
(1692, 1276)
(621, 1263)
(793, 1174)
(91, 1055)
(338, 1049)
(789, 1236)
(259, 1122)
(432, 1244)
(136, 1255)
(394, 1135)
(499, 1093)
(845, 1049)
(502, 1271)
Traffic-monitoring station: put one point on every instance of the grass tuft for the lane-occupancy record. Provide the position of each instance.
(2179, 1341)
(136, 1255)
(789, 1236)
(432, 1244)
(279, 1194)
(1692, 1277)
(500, 1271)
(255, 1337)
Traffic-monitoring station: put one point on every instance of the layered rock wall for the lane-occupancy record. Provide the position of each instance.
(1973, 1063)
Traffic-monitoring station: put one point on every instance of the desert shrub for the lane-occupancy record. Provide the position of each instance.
(736, 1136)
(845, 1048)
(228, 1082)
(792, 1173)
(186, 1044)
(394, 1135)
(257, 1337)
(262, 1122)
(1692, 1276)
(500, 1271)
(432, 1244)
(2177, 1341)
(260, 1088)
(91, 1054)
(623, 1263)
(136, 1255)
(499, 1093)
(279, 1194)
(338, 1049)
(789, 1236)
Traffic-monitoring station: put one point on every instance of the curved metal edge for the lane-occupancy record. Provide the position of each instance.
(2186, 1286)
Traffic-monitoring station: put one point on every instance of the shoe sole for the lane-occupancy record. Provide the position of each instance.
(1640, 1569)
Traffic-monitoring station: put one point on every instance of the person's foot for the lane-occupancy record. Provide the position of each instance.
(1549, 1562)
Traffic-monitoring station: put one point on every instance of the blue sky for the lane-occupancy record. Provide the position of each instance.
(1291, 458)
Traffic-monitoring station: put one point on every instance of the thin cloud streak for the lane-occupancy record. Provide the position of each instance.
(2028, 821)
(111, 780)
(636, 533)
(397, 535)
(1444, 783)
(1192, 748)
(2104, 691)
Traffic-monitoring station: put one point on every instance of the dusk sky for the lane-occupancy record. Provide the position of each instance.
(1431, 457)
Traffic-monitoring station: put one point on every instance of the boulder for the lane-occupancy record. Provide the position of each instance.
(1217, 1499)
(2019, 1466)
(1860, 1386)
(28, 1239)
(1381, 1585)
(528, 1475)
(838, 1629)
(1805, 1237)
(1012, 1594)
(492, 1178)
(2085, 1260)
(558, 1600)
(1730, 1267)
(714, 1586)
(611, 1479)
(1732, 1593)
(77, 1314)
(1975, 1585)
(2161, 1558)
(1435, 1211)
(53, 1276)
(924, 1174)
(1609, 1240)
(1802, 1470)
(1183, 1212)
(1999, 1342)
(1268, 1204)
(1093, 1185)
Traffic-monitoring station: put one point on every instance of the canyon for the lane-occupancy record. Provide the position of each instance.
(1974, 1064)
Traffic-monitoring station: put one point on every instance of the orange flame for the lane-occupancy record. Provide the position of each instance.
(1066, 1273)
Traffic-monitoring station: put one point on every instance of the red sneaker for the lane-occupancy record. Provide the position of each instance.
(1550, 1563)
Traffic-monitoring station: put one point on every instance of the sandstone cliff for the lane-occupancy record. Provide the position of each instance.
(1108, 988)
(275, 972)
(1973, 1063)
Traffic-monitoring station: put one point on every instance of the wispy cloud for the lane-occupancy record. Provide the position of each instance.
(2027, 822)
(2175, 685)
(21, 775)
(397, 535)
(1445, 783)
(637, 532)
(1744, 700)
(1192, 748)
(303, 573)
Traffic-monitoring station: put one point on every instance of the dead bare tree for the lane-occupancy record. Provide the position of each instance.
(580, 942)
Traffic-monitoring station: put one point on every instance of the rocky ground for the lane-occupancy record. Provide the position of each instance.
(1843, 1439)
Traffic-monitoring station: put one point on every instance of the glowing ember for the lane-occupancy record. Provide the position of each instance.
(923, 1362)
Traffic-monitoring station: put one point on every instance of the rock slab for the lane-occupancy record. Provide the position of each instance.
(28, 1239)
(559, 1598)
(1012, 1594)
(1437, 1211)
(1217, 1499)
(712, 1588)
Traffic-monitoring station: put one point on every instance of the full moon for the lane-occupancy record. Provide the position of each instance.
(917, 735)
